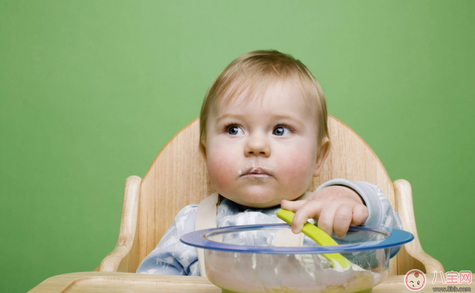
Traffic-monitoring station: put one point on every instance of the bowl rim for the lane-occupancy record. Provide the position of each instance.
(199, 239)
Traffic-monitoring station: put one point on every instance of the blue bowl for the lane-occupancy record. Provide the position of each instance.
(246, 259)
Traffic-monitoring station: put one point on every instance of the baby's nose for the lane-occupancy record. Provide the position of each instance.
(257, 146)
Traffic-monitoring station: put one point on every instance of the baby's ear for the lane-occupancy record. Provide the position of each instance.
(323, 152)
(203, 148)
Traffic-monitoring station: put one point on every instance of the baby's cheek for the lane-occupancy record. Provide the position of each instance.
(299, 168)
(220, 171)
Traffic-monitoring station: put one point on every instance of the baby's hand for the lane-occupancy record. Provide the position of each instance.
(334, 207)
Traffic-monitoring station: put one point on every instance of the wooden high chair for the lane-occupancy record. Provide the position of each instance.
(178, 177)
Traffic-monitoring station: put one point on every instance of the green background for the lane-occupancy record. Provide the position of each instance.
(90, 91)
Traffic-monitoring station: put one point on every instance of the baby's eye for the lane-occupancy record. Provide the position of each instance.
(281, 131)
(234, 130)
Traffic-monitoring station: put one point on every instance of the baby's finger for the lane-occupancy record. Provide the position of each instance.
(325, 221)
(291, 205)
(360, 214)
(342, 220)
(309, 209)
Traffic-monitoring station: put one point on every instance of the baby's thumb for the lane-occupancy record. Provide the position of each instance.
(291, 205)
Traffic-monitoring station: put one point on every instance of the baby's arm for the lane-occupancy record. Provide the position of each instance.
(171, 257)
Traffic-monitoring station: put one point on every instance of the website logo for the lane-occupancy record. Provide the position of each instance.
(415, 280)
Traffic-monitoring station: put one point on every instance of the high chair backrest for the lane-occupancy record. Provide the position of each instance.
(178, 177)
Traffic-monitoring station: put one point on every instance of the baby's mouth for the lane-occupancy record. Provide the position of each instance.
(256, 172)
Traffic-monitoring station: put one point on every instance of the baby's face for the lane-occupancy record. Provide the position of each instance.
(261, 151)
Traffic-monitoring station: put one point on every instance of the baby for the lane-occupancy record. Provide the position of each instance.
(264, 136)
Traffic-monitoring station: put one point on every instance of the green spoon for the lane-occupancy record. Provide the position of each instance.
(319, 236)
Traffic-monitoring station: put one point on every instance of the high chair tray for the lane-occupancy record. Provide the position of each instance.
(92, 282)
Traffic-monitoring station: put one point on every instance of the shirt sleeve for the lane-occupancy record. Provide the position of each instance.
(380, 212)
(170, 256)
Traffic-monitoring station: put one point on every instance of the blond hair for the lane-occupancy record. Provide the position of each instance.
(255, 71)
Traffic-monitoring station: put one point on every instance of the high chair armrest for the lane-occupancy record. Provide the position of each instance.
(117, 259)
(405, 209)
